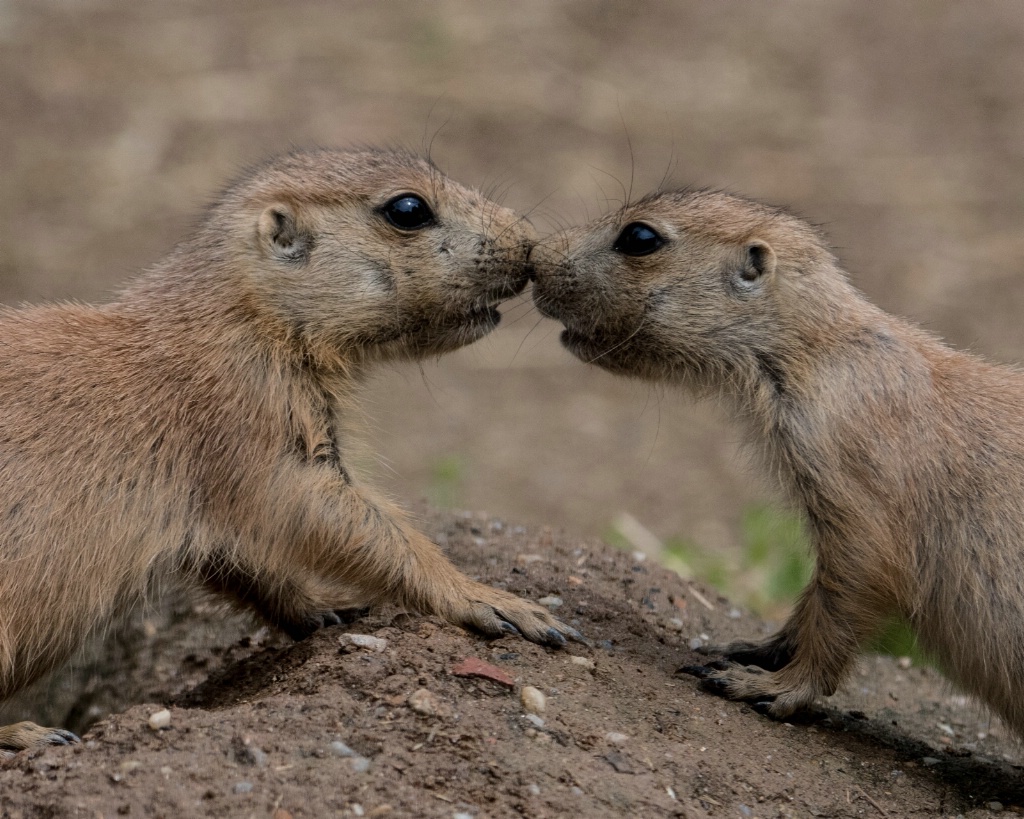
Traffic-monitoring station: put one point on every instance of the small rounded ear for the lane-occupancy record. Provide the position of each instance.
(280, 234)
(757, 262)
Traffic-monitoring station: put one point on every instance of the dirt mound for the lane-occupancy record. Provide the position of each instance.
(402, 727)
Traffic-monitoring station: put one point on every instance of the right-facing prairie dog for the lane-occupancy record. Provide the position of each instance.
(196, 425)
(907, 456)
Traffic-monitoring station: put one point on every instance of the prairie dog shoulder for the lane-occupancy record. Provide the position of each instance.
(906, 456)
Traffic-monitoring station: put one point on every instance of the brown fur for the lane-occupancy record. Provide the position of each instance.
(196, 425)
(907, 456)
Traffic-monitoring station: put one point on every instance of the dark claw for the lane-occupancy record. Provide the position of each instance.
(330, 619)
(508, 628)
(719, 665)
(699, 671)
(61, 737)
(763, 707)
(555, 638)
(716, 686)
(575, 635)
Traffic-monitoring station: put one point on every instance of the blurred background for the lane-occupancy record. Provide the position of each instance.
(898, 126)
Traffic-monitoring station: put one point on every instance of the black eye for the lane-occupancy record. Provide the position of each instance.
(408, 212)
(637, 239)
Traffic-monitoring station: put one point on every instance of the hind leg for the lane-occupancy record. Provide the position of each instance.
(21, 736)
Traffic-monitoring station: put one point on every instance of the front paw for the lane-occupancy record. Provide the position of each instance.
(24, 735)
(497, 613)
(772, 654)
(767, 693)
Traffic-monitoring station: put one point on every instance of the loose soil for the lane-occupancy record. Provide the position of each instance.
(264, 727)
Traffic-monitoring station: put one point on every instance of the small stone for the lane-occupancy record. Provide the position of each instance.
(534, 720)
(242, 787)
(735, 614)
(364, 641)
(615, 738)
(551, 601)
(619, 762)
(424, 702)
(929, 761)
(994, 806)
(475, 667)
(130, 765)
(695, 643)
(161, 719)
(381, 810)
(533, 700)
(904, 663)
(674, 624)
(533, 789)
(946, 729)
(574, 580)
(462, 815)
(583, 662)
(360, 764)
(247, 753)
(357, 809)
(339, 748)
(524, 559)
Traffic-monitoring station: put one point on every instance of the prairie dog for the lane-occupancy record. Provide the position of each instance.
(906, 456)
(196, 424)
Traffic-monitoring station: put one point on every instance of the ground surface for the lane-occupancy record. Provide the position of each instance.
(259, 731)
(897, 126)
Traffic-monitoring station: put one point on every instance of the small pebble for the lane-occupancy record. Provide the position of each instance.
(357, 809)
(584, 662)
(367, 641)
(745, 811)
(527, 559)
(130, 765)
(674, 624)
(242, 787)
(551, 601)
(928, 761)
(533, 789)
(462, 815)
(904, 662)
(424, 702)
(161, 719)
(946, 729)
(575, 790)
(339, 748)
(695, 643)
(535, 720)
(735, 614)
(533, 700)
(996, 806)
(360, 764)
(615, 738)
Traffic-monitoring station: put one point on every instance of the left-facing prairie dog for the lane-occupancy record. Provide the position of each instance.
(906, 456)
(196, 424)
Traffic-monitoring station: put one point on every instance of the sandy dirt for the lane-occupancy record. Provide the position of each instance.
(323, 727)
(894, 125)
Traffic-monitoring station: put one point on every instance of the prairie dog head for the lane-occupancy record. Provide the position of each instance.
(687, 286)
(370, 254)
